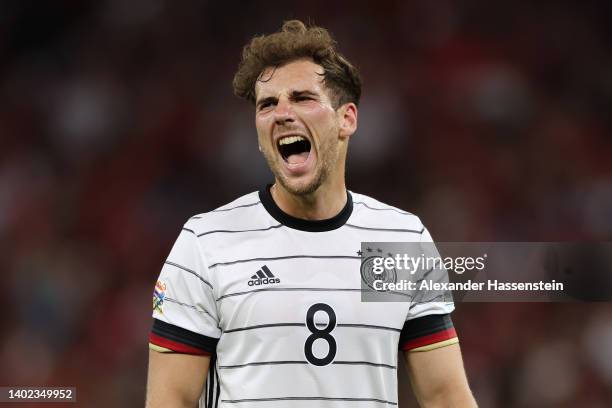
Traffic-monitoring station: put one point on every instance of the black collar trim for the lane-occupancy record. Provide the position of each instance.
(305, 225)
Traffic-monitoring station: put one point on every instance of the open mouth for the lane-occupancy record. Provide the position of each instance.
(294, 149)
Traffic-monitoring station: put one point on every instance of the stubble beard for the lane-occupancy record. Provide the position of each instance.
(325, 162)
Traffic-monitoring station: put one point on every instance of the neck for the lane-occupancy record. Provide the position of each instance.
(324, 203)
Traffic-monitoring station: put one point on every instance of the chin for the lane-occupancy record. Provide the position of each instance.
(301, 187)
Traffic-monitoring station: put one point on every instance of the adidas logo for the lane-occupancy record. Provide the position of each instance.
(263, 277)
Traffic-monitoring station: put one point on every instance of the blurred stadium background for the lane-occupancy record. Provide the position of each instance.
(490, 120)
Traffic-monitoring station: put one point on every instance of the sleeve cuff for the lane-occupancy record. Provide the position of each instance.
(168, 338)
(428, 333)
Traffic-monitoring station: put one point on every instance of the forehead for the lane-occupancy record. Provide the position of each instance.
(298, 75)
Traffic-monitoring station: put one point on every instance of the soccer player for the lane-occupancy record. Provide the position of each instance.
(259, 302)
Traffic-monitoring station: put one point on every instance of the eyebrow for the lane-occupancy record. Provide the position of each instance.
(294, 94)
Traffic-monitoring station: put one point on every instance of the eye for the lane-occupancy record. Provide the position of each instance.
(303, 98)
(265, 105)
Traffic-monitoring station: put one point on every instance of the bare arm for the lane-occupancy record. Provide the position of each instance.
(175, 380)
(438, 378)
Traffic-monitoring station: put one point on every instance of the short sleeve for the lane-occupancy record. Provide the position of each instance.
(428, 323)
(185, 316)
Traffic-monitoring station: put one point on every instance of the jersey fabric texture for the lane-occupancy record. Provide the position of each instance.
(276, 301)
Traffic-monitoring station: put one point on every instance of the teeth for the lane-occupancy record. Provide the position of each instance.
(290, 139)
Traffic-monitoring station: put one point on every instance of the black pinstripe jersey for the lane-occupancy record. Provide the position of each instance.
(276, 301)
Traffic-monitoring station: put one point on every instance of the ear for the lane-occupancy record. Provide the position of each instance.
(348, 120)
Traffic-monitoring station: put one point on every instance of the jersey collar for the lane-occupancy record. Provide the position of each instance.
(305, 225)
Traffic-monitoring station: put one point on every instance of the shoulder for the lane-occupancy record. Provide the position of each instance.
(243, 212)
(367, 209)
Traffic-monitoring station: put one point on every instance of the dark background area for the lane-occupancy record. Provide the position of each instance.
(489, 120)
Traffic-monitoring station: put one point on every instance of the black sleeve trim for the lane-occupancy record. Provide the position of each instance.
(424, 326)
(177, 334)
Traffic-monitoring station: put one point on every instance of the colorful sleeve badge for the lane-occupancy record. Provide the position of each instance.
(159, 294)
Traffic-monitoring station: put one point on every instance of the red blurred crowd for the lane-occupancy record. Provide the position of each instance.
(489, 120)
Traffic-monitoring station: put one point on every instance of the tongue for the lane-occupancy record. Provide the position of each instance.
(297, 158)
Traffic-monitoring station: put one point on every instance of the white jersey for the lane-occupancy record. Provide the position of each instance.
(276, 301)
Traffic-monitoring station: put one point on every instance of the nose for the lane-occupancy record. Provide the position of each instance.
(283, 113)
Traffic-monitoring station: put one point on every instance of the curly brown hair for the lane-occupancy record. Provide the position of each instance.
(295, 41)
